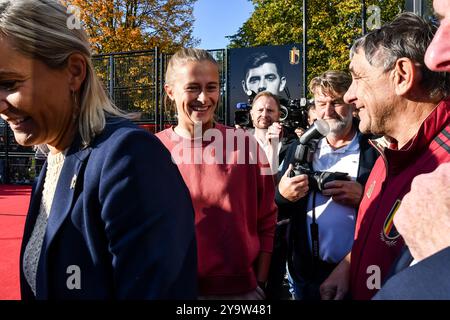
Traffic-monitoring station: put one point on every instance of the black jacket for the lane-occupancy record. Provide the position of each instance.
(121, 222)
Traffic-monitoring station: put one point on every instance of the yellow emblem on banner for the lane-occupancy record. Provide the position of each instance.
(294, 56)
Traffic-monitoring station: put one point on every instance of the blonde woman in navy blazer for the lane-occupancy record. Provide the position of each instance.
(111, 217)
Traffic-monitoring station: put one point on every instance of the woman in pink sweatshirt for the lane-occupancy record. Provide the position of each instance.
(229, 180)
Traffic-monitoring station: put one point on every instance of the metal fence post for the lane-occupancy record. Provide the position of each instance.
(161, 57)
(111, 77)
(363, 17)
(156, 87)
(305, 48)
(225, 86)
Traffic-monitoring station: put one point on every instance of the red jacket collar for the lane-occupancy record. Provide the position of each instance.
(436, 121)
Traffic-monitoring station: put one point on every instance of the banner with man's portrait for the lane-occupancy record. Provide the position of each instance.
(277, 69)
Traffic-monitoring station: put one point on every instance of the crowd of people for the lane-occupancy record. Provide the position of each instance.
(354, 207)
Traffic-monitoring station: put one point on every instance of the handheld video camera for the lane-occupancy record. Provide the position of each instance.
(303, 158)
(294, 113)
(242, 114)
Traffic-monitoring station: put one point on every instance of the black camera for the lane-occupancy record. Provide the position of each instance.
(304, 155)
(242, 114)
(317, 179)
(294, 113)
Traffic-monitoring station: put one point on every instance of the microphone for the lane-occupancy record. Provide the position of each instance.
(304, 151)
(319, 129)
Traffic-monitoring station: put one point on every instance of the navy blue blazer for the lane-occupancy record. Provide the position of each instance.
(121, 223)
(429, 279)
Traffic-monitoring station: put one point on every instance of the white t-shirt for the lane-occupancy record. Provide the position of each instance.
(336, 222)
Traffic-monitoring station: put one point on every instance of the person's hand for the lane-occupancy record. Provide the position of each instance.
(347, 193)
(423, 218)
(299, 132)
(336, 286)
(295, 188)
(275, 130)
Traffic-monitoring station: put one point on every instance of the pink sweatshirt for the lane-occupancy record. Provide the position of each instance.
(235, 212)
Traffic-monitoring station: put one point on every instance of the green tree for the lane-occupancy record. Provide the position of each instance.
(333, 25)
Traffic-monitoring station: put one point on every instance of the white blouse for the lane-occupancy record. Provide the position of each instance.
(33, 249)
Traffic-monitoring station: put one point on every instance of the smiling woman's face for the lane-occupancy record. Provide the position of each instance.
(35, 100)
(195, 90)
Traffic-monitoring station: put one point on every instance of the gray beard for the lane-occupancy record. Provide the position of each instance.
(338, 126)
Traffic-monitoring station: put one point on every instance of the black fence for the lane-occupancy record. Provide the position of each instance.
(135, 82)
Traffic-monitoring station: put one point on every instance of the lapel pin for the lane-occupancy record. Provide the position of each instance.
(73, 182)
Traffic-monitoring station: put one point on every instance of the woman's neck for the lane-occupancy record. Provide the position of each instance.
(62, 141)
(194, 130)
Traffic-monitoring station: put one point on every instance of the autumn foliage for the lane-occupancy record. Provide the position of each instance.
(125, 25)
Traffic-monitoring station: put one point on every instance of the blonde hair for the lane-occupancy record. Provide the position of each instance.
(332, 83)
(39, 30)
(185, 55)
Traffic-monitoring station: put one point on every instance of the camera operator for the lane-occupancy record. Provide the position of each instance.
(274, 140)
(344, 149)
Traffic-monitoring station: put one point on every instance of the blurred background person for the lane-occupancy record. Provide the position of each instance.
(270, 134)
(274, 140)
(235, 223)
(110, 216)
(332, 210)
(263, 73)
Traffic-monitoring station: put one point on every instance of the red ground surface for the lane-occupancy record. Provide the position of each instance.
(14, 202)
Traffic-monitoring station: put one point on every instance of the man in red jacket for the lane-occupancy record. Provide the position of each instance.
(400, 98)
(423, 220)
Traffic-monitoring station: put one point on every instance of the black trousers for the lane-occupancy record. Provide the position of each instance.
(308, 287)
(276, 288)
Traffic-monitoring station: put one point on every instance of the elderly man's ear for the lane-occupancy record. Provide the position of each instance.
(76, 69)
(406, 75)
